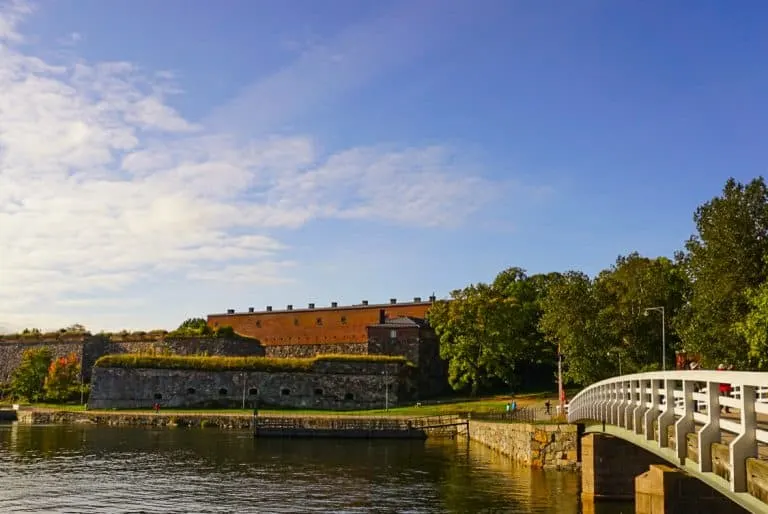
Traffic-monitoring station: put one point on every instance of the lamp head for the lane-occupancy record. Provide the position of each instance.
(645, 313)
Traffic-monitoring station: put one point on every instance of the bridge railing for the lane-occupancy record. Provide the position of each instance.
(651, 404)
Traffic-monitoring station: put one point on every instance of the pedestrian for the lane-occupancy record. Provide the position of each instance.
(725, 388)
(547, 406)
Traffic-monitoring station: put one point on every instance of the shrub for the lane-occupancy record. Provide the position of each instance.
(199, 362)
(28, 380)
(63, 380)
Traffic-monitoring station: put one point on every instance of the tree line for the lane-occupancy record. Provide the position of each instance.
(714, 295)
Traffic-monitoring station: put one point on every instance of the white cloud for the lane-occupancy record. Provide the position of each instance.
(104, 184)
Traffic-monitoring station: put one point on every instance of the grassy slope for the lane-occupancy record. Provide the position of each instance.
(447, 406)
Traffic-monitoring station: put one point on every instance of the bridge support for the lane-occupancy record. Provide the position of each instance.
(609, 466)
(664, 489)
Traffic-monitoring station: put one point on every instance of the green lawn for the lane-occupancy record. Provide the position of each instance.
(434, 408)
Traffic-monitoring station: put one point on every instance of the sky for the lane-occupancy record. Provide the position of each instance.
(166, 160)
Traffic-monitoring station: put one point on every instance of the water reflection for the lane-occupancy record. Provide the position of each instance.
(82, 468)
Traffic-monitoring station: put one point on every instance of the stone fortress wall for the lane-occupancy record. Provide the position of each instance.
(88, 347)
(331, 385)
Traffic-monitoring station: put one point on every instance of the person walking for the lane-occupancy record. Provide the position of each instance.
(725, 388)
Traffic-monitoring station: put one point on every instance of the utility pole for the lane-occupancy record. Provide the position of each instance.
(386, 389)
(560, 391)
(243, 376)
(663, 335)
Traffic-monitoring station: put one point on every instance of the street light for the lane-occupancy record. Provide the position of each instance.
(663, 336)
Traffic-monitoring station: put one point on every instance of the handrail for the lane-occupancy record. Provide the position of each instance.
(634, 402)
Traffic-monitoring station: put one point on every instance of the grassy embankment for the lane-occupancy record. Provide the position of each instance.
(446, 406)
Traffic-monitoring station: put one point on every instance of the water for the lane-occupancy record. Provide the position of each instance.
(85, 468)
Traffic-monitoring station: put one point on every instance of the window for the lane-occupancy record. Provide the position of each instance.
(295, 322)
(222, 392)
(285, 392)
(191, 390)
(319, 322)
(253, 391)
(258, 323)
(393, 334)
(318, 392)
(349, 396)
(343, 320)
(158, 396)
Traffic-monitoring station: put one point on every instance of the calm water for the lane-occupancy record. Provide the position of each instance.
(82, 468)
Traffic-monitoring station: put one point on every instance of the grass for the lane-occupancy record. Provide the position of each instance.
(445, 406)
(265, 364)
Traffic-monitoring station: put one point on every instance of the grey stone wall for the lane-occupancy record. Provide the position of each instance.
(142, 388)
(11, 353)
(541, 446)
(310, 350)
(90, 348)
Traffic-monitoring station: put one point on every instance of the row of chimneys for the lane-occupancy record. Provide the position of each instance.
(289, 307)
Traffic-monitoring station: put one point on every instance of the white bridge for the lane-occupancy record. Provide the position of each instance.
(666, 412)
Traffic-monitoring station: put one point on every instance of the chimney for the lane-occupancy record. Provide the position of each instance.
(382, 317)
(393, 301)
(269, 308)
(432, 298)
(250, 309)
(230, 311)
(334, 304)
(311, 305)
(365, 302)
(289, 307)
(417, 299)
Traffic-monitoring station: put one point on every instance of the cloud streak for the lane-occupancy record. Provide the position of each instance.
(103, 184)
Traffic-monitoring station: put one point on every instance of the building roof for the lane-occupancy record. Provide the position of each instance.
(403, 321)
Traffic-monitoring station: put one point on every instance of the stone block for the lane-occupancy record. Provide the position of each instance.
(664, 489)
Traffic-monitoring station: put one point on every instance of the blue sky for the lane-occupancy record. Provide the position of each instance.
(162, 160)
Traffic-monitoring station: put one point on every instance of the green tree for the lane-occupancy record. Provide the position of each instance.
(723, 260)
(569, 321)
(754, 328)
(487, 330)
(193, 327)
(623, 292)
(28, 380)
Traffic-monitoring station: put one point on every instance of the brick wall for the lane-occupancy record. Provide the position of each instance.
(314, 326)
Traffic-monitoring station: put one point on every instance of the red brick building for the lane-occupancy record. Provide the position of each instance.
(391, 329)
(313, 326)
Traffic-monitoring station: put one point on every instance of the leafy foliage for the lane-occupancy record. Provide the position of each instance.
(63, 380)
(28, 380)
(199, 362)
(723, 261)
(486, 330)
(198, 327)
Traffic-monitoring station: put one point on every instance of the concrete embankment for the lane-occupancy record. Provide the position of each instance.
(547, 446)
(299, 424)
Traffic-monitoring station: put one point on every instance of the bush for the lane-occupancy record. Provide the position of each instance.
(28, 380)
(199, 362)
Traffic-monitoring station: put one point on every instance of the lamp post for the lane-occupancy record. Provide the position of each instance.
(560, 392)
(663, 335)
(243, 377)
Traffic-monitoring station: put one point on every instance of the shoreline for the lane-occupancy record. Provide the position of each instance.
(539, 445)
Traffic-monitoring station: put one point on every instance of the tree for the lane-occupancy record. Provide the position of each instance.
(623, 293)
(28, 380)
(569, 321)
(193, 326)
(63, 380)
(487, 330)
(754, 328)
(723, 261)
